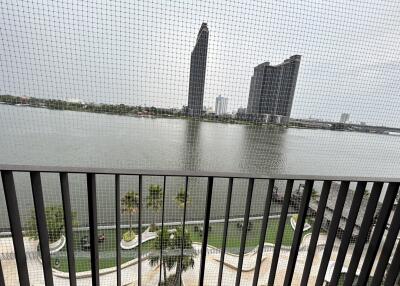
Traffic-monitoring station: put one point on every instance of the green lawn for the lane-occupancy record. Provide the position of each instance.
(343, 276)
(253, 236)
(106, 253)
(83, 263)
(107, 248)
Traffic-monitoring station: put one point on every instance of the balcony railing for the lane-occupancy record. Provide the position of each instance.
(367, 246)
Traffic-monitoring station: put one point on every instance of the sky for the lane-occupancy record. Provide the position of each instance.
(138, 52)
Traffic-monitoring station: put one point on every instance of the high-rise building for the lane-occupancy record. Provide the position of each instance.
(198, 73)
(272, 90)
(344, 117)
(221, 105)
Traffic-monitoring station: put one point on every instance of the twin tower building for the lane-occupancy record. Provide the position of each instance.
(271, 87)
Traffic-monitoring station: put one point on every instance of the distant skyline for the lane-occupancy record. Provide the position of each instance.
(139, 54)
(221, 105)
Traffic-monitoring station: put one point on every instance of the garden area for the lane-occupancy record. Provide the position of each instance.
(172, 236)
(107, 250)
(235, 232)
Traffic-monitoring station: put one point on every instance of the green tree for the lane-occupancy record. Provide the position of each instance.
(314, 194)
(153, 110)
(154, 201)
(166, 262)
(130, 205)
(187, 260)
(54, 220)
(180, 199)
(171, 244)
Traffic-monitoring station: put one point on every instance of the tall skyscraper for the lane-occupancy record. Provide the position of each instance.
(221, 105)
(198, 72)
(272, 90)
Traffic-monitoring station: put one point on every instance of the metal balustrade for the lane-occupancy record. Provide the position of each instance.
(372, 233)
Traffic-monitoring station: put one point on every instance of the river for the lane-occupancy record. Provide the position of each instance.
(36, 136)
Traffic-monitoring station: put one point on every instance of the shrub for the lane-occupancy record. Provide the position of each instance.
(54, 220)
(129, 235)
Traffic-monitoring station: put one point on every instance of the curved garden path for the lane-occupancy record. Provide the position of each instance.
(150, 275)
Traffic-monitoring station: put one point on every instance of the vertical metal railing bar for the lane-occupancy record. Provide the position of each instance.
(394, 268)
(244, 230)
(225, 231)
(315, 232)
(140, 231)
(162, 227)
(379, 229)
(387, 248)
(183, 230)
(348, 231)
(264, 225)
(68, 220)
(15, 226)
(205, 229)
(333, 227)
(118, 227)
(41, 224)
(2, 282)
(94, 250)
(281, 230)
(298, 233)
(364, 232)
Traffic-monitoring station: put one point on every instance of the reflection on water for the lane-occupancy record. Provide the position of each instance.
(271, 145)
(191, 151)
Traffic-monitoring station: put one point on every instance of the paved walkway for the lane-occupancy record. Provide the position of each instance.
(128, 274)
(150, 275)
(229, 275)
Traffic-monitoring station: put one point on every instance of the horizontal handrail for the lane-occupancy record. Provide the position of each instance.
(183, 173)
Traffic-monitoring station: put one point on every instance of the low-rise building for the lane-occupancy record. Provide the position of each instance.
(330, 206)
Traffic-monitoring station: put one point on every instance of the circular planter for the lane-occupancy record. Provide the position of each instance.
(57, 245)
(146, 236)
(293, 222)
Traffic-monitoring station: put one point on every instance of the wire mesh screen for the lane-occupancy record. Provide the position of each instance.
(251, 87)
(234, 86)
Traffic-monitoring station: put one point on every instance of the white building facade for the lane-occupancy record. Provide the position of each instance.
(221, 105)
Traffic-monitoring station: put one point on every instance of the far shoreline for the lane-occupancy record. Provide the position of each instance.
(173, 113)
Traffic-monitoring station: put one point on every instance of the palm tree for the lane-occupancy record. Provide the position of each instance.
(187, 259)
(154, 201)
(155, 257)
(314, 194)
(180, 199)
(130, 205)
(171, 244)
